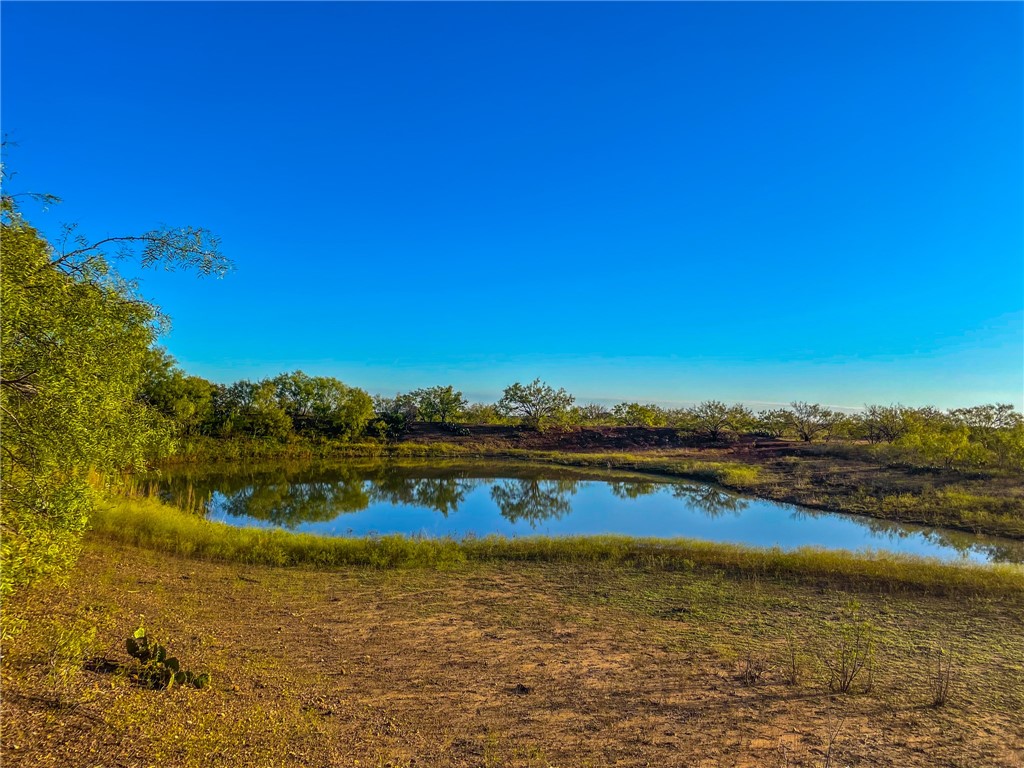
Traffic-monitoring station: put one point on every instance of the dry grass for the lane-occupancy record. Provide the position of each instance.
(506, 664)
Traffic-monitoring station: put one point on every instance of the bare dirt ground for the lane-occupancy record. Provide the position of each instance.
(504, 665)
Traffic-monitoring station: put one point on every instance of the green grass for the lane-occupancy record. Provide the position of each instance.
(152, 524)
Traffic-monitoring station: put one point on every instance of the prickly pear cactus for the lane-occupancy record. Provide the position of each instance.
(155, 668)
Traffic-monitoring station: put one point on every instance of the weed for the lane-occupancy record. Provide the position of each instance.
(793, 659)
(942, 677)
(850, 651)
(753, 669)
(833, 730)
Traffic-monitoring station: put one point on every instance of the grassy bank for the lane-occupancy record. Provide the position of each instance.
(550, 662)
(151, 524)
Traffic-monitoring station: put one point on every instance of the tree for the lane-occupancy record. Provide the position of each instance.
(483, 413)
(934, 438)
(713, 418)
(810, 420)
(439, 403)
(323, 405)
(591, 413)
(74, 338)
(881, 423)
(988, 417)
(637, 415)
(253, 409)
(393, 415)
(537, 404)
(773, 422)
(185, 402)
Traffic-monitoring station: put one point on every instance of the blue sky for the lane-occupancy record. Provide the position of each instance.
(667, 202)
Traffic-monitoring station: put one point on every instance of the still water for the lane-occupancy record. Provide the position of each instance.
(513, 499)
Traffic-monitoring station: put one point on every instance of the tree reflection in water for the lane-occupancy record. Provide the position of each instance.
(994, 549)
(633, 490)
(290, 504)
(712, 501)
(441, 494)
(533, 500)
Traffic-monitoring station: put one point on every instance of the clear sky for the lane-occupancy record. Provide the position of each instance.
(668, 202)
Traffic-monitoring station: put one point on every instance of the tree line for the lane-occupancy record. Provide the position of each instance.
(319, 406)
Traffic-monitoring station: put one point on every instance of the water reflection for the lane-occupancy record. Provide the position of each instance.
(994, 549)
(712, 501)
(512, 498)
(533, 501)
(440, 494)
(288, 499)
(290, 504)
(634, 489)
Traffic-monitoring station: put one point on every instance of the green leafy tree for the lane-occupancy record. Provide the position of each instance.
(253, 409)
(185, 402)
(323, 405)
(483, 413)
(393, 415)
(810, 420)
(884, 423)
(772, 422)
(713, 419)
(936, 439)
(638, 415)
(74, 341)
(591, 414)
(442, 404)
(536, 404)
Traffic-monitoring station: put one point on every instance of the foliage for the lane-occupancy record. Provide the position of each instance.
(69, 646)
(154, 668)
(251, 408)
(536, 404)
(810, 420)
(323, 405)
(590, 414)
(393, 415)
(483, 413)
(74, 340)
(772, 423)
(713, 419)
(185, 402)
(879, 423)
(439, 403)
(637, 415)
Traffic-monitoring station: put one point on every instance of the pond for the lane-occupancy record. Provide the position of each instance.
(440, 499)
